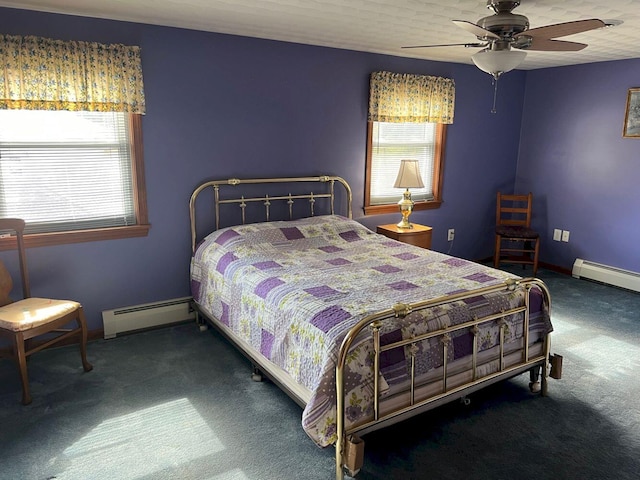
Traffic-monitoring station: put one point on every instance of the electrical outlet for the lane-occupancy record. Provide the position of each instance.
(451, 234)
(557, 234)
(565, 235)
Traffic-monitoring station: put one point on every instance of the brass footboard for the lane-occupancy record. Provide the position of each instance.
(446, 393)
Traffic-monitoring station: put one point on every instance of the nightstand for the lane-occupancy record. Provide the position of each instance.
(419, 235)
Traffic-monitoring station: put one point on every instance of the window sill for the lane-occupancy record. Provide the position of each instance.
(393, 207)
(79, 236)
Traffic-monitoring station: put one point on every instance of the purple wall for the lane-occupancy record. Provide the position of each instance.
(220, 106)
(584, 175)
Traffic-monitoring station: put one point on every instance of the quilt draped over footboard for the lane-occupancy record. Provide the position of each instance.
(293, 289)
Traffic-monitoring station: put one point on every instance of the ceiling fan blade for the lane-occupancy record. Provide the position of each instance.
(449, 45)
(475, 29)
(548, 45)
(563, 29)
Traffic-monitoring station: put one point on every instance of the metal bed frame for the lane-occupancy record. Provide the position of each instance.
(349, 447)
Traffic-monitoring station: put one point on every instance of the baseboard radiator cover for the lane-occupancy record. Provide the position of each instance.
(148, 315)
(606, 274)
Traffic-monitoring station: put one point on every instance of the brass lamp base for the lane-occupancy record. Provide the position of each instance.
(406, 207)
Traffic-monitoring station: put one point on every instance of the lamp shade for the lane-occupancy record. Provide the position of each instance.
(409, 175)
(497, 62)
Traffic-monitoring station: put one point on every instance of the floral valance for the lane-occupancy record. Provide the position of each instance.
(44, 74)
(402, 97)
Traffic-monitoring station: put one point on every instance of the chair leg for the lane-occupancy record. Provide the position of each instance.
(82, 323)
(21, 359)
(496, 252)
(535, 256)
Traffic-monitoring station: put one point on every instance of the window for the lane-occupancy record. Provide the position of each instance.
(69, 164)
(408, 114)
(73, 176)
(388, 143)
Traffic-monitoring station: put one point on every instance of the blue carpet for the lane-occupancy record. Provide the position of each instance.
(175, 403)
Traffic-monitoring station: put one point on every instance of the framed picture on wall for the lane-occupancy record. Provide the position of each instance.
(632, 115)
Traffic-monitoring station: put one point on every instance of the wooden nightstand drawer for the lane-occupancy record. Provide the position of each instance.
(419, 235)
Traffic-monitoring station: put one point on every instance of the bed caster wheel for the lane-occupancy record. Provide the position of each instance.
(466, 401)
(534, 387)
(256, 376)
(203, 327)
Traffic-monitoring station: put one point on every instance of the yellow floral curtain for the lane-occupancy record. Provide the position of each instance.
(44, 74)
(400, 97)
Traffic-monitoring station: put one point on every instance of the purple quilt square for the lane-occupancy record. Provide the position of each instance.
(329, 318)
(265, 286)
(350, 236)
(402, 285)
(292, 233)
(462, 345)
(480, 277)
(392, 244)
(395, 355)
(322, 291)
(478, 299)
(460, 290)
(226, 236)
(406, 256)
(224, 318)
(266, 344)
(338, 261)
(266, 265)
(195, 290)
(330, 249)
(535, 300)
(225, 261)
(456, 262)
(387, 269)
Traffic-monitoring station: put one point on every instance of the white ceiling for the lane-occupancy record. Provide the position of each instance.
(379, 26)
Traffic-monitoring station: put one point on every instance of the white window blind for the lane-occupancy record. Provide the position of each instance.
(64, 170)
(392, 142)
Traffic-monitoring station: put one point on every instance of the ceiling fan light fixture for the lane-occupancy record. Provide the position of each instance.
(497, 62)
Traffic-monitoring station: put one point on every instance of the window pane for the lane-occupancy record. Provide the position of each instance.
(392, 142)
(64, 171)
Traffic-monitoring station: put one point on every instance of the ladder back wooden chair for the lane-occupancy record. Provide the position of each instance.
(516, 241)
(31, 317)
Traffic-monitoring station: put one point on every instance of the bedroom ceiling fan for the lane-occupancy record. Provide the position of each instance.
(505, 37)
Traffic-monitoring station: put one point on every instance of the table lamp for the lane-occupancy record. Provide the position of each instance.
(408, 177)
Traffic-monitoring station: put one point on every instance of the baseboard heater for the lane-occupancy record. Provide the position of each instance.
(148, 315)
(606, 274)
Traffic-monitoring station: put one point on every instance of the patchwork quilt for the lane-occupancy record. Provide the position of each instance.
(293, 290)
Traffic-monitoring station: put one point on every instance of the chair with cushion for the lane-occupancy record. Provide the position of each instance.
(31, 317)
(516, 241)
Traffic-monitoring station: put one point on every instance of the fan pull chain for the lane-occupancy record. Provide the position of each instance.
(495, 94)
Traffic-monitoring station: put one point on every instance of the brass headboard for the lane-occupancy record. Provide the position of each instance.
(289, 199)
